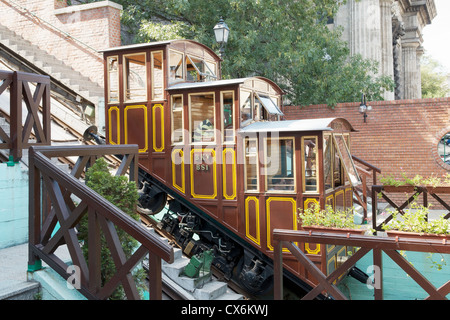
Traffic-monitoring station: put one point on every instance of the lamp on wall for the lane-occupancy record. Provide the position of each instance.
(363, 108)
(221, 32)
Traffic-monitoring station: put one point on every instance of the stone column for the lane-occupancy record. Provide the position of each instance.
(387, 58)
(410, 70)
(365, 32)
(410, 44)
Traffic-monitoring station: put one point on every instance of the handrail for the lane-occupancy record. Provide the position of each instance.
(18, 84)
(49, 182)
(376, 244)
(365, 174)
(371, 166)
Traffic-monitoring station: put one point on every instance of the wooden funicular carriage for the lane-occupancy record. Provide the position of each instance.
(219, 152)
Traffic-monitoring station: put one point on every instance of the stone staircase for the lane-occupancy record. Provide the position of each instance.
(206, 287)
(14, 284)
(51, 66)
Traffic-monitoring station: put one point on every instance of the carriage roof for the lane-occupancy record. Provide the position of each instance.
(323, 124)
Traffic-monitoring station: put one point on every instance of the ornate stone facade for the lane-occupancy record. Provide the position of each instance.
(389, 32)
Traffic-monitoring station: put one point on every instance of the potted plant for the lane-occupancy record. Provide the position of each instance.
(328, 220)
(415, 223)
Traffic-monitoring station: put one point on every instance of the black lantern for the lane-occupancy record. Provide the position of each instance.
(221, 32)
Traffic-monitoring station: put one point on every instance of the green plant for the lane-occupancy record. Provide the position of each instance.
(123, 194)
(315, 216)
(417, 180)
(415, 219)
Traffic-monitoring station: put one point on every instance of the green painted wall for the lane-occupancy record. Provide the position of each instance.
(13, 204)
(397, 285)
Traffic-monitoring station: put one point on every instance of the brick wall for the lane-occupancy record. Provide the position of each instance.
(399, 136)
(46, 24)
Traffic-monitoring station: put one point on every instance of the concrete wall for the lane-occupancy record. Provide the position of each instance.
(47, 24)
(13, 205)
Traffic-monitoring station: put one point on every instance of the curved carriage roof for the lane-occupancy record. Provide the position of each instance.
(323, 124)
(217, 83)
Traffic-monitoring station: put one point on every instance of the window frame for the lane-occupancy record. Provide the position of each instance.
(152, 67)
(191, 129)
(170, 81)
(233, 113)
(109, 79)
(256, 155)
(125, 78)
(172, 118)
(304, 165)
(294, 190)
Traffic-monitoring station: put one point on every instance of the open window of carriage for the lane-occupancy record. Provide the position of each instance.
(113, 79)
(251, 165)
(135, 77)
(199, 70)
(227, 105)
(177, 119)
(279, 165)
(266, 108)
(338, 166)
(176, 69)
(310, 162)
(202, 118)
(188, 67)
(157, 76)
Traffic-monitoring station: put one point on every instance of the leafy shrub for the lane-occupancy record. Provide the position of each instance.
(123, 194)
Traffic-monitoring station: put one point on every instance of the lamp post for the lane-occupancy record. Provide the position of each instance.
(221, 32)
(363, 108)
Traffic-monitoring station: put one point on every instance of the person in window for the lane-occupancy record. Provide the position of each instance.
(204, 131)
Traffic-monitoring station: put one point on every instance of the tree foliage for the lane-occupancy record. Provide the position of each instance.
(123, 194)
(434, 79)
(286, 41)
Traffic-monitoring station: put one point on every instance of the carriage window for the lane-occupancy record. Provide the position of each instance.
(251, 165)
(279, 164)
(177, 119)
(246, 108)
(199, 70)
(113, 79)
(327, 161)
(310, 163)
(157, 76)
(269, 106)
(346, 159)
(201, 108)
(228, 122)
(175, 66)
(135, 77)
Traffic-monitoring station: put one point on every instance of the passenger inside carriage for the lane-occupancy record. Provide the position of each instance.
(204, 131)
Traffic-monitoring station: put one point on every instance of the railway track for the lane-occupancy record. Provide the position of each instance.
(171, 290)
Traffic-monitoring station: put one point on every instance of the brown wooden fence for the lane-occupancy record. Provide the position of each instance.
(386, 193)
(68, 201)
(376, 244)
(20, 91)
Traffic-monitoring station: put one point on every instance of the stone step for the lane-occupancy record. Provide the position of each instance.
(51, 65)
(19, 290)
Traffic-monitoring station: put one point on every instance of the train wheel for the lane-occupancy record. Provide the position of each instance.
(151, 199)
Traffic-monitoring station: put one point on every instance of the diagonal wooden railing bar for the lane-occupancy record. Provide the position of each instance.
(19, 84)
(378, 245)
(49, 182)
(415, 191)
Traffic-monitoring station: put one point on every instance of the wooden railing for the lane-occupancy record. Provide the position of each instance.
(413, 191)
(68, 201)
(20, 90)
(376, 244)
(365, 173)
